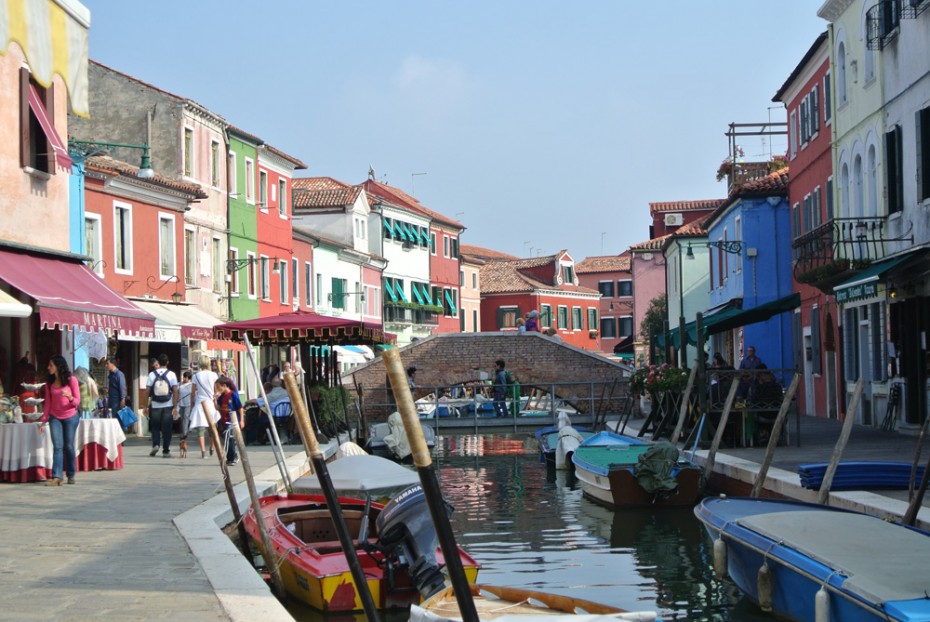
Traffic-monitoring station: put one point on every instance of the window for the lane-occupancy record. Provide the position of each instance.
(122, 233)
(563, 317)
(806, 216)
(338, 293)
(215, 164)
(606, 288)
(625, 326)
(461, 278)
(474, 320)
(568, 275)
(894, 179)
(445, 246)
(738, 232)
(190, 257)
(251, 274)
(608, 328)
(283, 281)
(454, 249)
(923, 153)
(188, 152)
(432, 243)
(507, 317)
(263, 190)
(232, 256)
(793, 134)
(841, 82)
(266, 278)
(232, 183)
(218, 271)
(474, 280)
(577, 318)
(250, 180)
(827, 99)
(93, 242)
(295, 281)
(388, 229)
(545, 316)
(282, 198)
(450, 302)
(425, 241)
(816, 208)
(624, 288)
(166, 254)
(592, 318)
(828, 197)
(35, 145)
(319, 289)
(358, 297)
(308, 281)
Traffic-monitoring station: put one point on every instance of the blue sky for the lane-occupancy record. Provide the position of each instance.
(539, 125)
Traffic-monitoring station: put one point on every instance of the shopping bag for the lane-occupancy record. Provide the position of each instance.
(126, 416)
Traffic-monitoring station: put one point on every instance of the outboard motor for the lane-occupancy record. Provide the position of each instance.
(405, 527)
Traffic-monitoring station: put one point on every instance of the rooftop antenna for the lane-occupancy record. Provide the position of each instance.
(412, 175)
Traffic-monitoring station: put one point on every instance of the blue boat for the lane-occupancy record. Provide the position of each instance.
(621, 471)
(808, 562)
(549, 439)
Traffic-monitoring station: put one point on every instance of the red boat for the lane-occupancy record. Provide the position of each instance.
(313, 565)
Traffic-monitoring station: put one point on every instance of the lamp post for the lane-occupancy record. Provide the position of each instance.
(87, 148)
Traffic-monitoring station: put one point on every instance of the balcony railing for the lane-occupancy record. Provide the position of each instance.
(409, 315)
(826, 254)
(882, 22)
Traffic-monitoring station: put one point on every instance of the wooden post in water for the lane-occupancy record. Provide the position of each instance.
(776, 433)
(270, 558)
(430, 483)
(332, 500)
(824, 495)
(683, 410)
(910, 517)
(718, 437)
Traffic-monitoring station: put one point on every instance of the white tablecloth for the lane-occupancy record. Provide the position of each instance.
(22, 447)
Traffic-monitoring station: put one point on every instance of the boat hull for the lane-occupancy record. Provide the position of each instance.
(315, 571)
(816, 551)
(620, 488)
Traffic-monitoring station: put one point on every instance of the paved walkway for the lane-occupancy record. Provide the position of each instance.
(143, 542)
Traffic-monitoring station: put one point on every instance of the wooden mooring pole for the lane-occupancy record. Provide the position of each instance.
(776, 434)
(685, 402)
(718, 437)
(824, 495)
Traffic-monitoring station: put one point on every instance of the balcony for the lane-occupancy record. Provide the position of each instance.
(400, 313)
(830, 253)
(881, 23)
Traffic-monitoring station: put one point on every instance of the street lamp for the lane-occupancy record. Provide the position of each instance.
(87, 148)
(733, 247)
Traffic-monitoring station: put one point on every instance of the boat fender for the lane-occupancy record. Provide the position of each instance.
(720, 557)
(822, 605)
(764, 587)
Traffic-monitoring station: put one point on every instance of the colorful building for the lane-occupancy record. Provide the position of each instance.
(612, 276)
(242, 266)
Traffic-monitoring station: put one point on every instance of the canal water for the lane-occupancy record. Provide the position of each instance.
(532, 528)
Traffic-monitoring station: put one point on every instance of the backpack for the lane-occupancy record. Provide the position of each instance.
(161, 390)
(509, 377)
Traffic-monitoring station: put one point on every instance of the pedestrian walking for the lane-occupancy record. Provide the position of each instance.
(162, 405)
(62, 399)
(202, 393)
(116, 387)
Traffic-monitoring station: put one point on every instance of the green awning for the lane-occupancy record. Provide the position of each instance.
(390, 290)
(415, 232)
(389, 227)
(400, 292)
(415, 288)
(865, 283)
(729, 318)
(427, 297)
(449, 300)
(404, 232)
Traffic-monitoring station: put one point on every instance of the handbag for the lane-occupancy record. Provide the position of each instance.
(126, 416)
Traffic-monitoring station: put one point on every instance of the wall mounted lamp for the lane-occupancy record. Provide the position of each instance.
(87, 148)
(733, 247)
(234, 265)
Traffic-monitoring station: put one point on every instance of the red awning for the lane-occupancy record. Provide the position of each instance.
(220, 344)
(68, 294)
(59, 151)
(302, 326)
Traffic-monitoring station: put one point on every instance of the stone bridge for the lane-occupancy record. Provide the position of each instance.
(582, 378)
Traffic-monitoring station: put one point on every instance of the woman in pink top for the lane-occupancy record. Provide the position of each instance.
(62, 399)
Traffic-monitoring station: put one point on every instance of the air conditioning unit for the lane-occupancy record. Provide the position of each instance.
(674, 220)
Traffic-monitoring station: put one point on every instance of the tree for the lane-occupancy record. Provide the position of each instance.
(654, 322)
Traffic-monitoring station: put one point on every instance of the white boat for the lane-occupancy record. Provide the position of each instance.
(361, 476)
(388, 438)
(507, 603)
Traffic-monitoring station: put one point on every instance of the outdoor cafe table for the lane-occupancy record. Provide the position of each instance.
(26, 455)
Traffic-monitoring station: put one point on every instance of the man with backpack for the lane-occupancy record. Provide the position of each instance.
(162, 409)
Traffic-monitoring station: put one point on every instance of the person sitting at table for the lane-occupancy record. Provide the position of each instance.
(766, 399)
(257, 421)
(62, 398)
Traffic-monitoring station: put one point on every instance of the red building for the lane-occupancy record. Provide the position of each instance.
(805, 95)
(512, 287)
(612, 276)
(273, 224)
(669, 216)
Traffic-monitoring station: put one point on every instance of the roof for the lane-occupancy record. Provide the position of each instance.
(323, 192)
(655, 244)
(106, 164)
(298, 165)
(773, 184)
(694, 228)
(800, 66)
(400, 198)
(478, 252)
(609, 263)
(507, 276)
(241, 133)
(684, 206)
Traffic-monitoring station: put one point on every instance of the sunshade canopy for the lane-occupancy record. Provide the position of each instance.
(732, 317)
(303, 327)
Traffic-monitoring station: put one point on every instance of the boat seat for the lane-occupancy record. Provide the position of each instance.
(335, 546)
(315, 526)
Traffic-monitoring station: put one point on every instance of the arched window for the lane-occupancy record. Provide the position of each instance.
(845, 210)
(858, 197)
(872, 205)
(841, 74)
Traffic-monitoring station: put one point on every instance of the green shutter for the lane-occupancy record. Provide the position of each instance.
(452, 308)
(399, 288)
(390, 290)
(401, 227)
(427, 298)
(388, 229)
(415, 288)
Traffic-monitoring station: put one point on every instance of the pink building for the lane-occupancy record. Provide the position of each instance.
(647, 269)
(612, 277)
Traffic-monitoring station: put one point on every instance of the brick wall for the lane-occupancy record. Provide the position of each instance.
(450, 359)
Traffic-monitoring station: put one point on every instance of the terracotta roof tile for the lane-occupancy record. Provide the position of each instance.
(402, 199)
(609, 263)
(655, 244)
(504, 276)
(310, 192)
(297, 163)
(694, 228)
(479, 252)
(106, 164)
(684, 206)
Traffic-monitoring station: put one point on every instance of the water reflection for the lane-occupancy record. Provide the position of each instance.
(534, 529)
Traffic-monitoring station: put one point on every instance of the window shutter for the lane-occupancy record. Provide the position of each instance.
(815, 110)
(816, 359)
(24, 117)
(500, 318)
